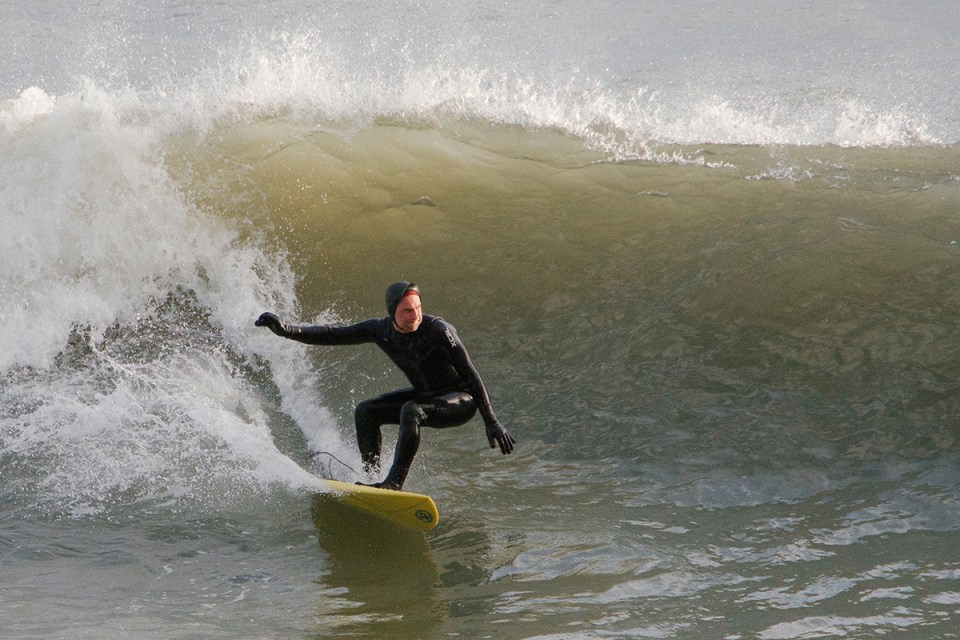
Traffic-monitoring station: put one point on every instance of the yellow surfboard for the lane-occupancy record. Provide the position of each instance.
(411, 510)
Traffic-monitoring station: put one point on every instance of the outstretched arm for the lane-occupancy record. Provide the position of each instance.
(320, 334)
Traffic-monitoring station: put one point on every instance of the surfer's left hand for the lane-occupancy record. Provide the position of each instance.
(496, 434)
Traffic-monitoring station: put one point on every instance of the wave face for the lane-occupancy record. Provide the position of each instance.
(705, 259)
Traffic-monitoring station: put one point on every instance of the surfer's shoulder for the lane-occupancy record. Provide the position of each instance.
(442, 330)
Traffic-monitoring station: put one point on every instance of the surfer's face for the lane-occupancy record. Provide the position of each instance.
(408, 315)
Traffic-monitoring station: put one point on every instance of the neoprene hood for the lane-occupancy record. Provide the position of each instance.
(396, 292)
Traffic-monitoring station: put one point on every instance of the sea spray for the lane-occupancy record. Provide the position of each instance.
(126, 337)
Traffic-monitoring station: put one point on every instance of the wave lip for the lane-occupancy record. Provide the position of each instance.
(622, 120)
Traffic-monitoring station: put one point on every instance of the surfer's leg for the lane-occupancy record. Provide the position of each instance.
(368, 416)
(449, 410)
(408, 442)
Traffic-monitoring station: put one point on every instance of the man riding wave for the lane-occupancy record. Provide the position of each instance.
(446, 389)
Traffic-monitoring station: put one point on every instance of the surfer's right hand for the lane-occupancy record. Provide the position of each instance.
(272, 322)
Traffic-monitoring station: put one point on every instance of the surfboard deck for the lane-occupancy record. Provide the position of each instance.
(411, 510)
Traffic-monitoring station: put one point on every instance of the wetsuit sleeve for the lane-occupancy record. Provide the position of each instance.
(359, 333)
(468, 373)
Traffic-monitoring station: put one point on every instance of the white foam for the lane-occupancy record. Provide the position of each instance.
(307, 75)
(126, 332)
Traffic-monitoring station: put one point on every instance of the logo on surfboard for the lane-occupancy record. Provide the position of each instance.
(424, 516)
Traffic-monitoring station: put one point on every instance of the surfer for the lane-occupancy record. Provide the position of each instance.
(447, 390)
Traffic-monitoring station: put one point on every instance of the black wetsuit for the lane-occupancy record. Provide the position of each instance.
(447, 390)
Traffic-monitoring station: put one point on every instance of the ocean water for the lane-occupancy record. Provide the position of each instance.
(704, 255)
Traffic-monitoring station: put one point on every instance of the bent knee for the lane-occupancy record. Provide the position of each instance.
(412, 414)
(361, 409)
(365, 413)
